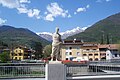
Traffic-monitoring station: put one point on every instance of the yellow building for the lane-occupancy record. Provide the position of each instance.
(78, 51)
(20, 53)
(91, 51)
(72, 50)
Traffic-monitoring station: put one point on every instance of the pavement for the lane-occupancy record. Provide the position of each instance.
(98, 79)
(26, 79)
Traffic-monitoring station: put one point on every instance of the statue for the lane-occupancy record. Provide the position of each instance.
(56, 44)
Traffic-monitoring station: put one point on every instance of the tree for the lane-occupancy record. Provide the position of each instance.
(5, 56)
(37, 46)
(47, 51)
(108, 41)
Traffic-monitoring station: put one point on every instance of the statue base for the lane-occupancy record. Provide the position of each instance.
(54, 62)
(55, 70)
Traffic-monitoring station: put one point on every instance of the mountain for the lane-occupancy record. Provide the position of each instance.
(64, 35)
(104, 31)
(19, 36)
(45, 35)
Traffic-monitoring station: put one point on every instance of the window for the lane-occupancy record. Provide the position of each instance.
(16, 51)
(103, 58)
(19, 58)
(20, 51)
(84, 54)
(66, 54)
(20, 54)
(87, 49)
(67, 48)
(70, 53)
(102, 54)
(90, 54)
(115, 55)
(12, 54)
(91, 59)
(96, 54)
(78, 53)
(70, 48)
(15, 58)
(96, 59)
(78, 48)
(15, 54)
(66, 58)
(94, 49)
(102, 49)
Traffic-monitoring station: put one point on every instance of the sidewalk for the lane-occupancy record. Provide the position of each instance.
(26, 79)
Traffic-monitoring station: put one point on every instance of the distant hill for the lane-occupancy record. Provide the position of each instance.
(105, 30)
(19, 36)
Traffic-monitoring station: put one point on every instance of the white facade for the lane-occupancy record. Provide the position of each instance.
(112, 54)
(108, 55)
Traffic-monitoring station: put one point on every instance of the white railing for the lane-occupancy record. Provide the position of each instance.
(14, 70)
(92, 69)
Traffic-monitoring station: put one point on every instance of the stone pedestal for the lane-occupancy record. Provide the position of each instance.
(55, 71)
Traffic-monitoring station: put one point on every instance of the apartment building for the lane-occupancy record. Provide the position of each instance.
(71, 50)
(78, 50)
(109, 51)
(20, 53)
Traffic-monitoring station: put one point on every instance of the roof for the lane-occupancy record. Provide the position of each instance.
(79, 42)
(109, 46)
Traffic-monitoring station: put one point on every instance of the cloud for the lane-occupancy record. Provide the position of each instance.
(20, 6)
(25, 1)
(108, 0)
(49, 17)
(30, 12)
(54, 10)
(2, 21)
(82, 9)
(34, 12)
(69, 16)
(75, 12)
(99, 1)
(10, 3)
(88, 6)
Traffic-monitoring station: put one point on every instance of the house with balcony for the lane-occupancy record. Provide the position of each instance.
(88, 51)
(109, 51)
(79, 50)
(21, 53)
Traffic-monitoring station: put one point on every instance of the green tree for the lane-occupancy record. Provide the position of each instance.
(37, 46)
(47, 51)
(5, 56)
(108, 41)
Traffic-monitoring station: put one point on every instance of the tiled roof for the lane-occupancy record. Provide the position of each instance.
(109, 46)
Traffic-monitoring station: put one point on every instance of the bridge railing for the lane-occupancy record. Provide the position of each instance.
(92, 69)
(14, 70)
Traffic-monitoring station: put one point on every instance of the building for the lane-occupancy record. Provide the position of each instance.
(71, 50)
(109, 51)
(21, 53)
(91, 51)
(78, 51)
